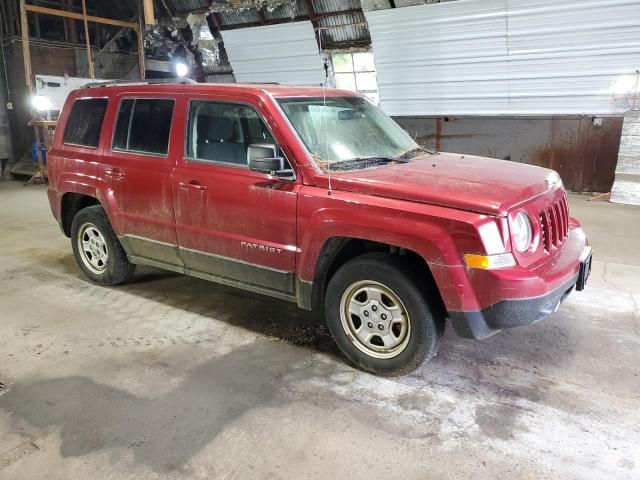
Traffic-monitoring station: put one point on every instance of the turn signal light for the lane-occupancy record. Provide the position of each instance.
(489, 262)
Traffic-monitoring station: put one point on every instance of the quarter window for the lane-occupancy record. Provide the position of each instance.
(144, 125)
(85, 122)
(221, 132)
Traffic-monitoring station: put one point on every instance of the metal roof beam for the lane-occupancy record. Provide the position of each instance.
(317, 17)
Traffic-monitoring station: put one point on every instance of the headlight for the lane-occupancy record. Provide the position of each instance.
(521, 232)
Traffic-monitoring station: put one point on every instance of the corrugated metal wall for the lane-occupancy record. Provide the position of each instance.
(286, 53)
(493, 57)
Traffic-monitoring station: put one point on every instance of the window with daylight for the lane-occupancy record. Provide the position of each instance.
(356, 71)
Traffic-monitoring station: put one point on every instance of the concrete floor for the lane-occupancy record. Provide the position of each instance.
(173, 377)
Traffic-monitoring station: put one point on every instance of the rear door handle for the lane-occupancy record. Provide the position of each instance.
(113, 173)
(192, 185)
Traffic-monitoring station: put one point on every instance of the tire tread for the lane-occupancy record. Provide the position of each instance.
(422, 347)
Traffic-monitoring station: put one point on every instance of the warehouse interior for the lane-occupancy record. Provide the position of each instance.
(172, 376)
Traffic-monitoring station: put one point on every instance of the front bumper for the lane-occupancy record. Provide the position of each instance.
(479, 324)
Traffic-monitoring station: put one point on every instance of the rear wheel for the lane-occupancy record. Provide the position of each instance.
(379, 317)
(97, 248)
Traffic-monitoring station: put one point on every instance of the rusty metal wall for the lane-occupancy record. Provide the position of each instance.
(53, 60)
(584, 154)
(21, 134)
(5, 135)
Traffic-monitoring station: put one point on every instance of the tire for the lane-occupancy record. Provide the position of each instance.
(97, 248)
(382, 287)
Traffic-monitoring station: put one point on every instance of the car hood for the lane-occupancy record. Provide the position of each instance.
(477, 184)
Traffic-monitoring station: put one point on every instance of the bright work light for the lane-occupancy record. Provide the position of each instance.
(182, 69)
(41, 103)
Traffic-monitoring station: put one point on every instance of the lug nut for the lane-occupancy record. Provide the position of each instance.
(374, 308)
(366, 313)
(370, 325)
(380, 326)
(383, 316)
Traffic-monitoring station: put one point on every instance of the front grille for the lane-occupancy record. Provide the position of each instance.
(554, 220)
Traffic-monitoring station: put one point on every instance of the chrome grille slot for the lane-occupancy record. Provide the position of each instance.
(554, 224)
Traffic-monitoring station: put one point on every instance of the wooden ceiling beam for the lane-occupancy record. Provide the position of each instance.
(79, 16)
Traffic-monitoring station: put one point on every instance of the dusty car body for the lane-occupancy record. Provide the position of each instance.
(314, 196)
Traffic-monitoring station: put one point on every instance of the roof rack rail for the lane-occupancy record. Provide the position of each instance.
(151, 81)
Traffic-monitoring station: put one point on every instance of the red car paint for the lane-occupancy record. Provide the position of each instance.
(441, 208)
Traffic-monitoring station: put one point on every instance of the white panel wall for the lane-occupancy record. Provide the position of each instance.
(492, 57)
(286, 53)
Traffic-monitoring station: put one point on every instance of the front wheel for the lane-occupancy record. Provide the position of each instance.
(97, 248)
(378, 316)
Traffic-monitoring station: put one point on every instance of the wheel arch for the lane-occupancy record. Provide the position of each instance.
(70, 204)
(338, 250)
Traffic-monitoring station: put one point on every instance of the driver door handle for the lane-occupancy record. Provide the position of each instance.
(192, 185)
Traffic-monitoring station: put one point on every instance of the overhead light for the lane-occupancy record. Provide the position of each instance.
(41, 103)
(182, 69)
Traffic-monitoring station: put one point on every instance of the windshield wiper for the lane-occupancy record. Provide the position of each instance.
(378, 159)
(364, 162)
(413, 152)
(358, 163)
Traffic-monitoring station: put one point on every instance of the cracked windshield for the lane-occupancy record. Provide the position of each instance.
(349, 133)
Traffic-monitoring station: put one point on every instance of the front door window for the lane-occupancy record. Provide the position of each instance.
(222, 132)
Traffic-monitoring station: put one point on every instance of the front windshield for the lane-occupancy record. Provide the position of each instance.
(346, 133)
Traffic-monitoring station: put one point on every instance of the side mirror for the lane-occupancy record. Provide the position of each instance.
(263, 158)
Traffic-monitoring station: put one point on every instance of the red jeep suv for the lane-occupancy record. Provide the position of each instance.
(317, 197)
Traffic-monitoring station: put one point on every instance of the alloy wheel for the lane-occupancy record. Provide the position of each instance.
(375, 319)
(93, 248)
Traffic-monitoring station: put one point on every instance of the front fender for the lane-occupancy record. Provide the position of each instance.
(439, 235)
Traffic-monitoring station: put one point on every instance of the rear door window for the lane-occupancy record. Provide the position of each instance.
(122, 125)
(144, 125)
(85, 122)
